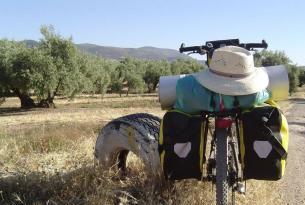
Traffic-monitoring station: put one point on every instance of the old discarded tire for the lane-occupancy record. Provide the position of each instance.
(137, 133)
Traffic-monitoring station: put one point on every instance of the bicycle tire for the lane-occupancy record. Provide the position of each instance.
(137, 133)
(222, 185)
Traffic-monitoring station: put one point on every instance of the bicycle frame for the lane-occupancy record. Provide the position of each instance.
(225, 122)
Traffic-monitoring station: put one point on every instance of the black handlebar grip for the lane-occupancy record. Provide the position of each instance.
(265, 44)
(255, 45)
(189, 49)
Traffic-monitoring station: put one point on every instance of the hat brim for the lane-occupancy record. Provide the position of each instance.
(234, 86)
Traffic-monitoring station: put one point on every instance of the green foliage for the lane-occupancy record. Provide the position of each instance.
(45, 74)
(17, 70)
(117, 86)
(99, 71)
(185, 66)
(68, 78)
(135, 83)
(153, 71)
(128, 73)
(270, 58)
(293, 75)
(302, 78)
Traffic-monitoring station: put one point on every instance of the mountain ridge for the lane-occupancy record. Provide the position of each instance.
(117, 53)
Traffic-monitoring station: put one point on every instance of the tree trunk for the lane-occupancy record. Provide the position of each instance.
(47, 103)
(149, 89)
(127, 92)
(2, 100)
(155, 87)
(25, 100)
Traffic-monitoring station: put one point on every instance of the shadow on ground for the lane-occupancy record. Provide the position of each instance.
(297, 123)
(298, 100)
(4, 111)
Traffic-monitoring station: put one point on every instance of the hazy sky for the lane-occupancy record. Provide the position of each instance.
(160, 23)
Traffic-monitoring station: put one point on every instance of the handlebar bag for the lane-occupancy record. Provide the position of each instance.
(181, 145)
(264, 142)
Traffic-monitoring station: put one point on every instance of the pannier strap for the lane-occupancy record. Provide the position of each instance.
(278, 147)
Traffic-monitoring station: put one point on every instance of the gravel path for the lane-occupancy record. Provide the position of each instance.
(293, 183)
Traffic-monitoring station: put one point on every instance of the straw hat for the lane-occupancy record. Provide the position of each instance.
(232, 72)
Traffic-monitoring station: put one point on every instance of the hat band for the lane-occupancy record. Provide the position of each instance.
(232, 75)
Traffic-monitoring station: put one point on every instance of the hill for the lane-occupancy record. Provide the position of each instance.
(30, 43)
(147, 52)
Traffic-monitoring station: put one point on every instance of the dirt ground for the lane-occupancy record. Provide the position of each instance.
(293, 184)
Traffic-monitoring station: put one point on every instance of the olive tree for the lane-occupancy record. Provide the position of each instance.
(68, 76)
(302, 78)
(99, 70)
(17, 65)
(128, 74)
(153, 71)
(181, 66)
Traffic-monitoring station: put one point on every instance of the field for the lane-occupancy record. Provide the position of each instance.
(46, 156)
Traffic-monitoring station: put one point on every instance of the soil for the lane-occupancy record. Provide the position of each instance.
(293, 183)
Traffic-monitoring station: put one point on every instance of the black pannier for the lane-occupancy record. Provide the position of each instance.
(181, 145)
(264, 143)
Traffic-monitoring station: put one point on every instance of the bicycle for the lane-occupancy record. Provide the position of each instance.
(139, 134)
(225, 156)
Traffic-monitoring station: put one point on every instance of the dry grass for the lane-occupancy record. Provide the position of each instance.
(46, 156)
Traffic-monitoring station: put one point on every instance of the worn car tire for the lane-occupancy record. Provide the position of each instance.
(137, 133)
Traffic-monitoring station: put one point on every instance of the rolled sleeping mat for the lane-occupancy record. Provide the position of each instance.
(167, 90)
(278, 82)
(278, 86)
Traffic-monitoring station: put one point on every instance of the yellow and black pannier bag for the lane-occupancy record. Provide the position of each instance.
(264, 143)
(181, 145)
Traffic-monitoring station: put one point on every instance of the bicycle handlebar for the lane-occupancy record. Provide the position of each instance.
(194, 49)
(250, 46)
(211, 45)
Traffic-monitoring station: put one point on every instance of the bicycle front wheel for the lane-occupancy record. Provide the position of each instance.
(221, 166)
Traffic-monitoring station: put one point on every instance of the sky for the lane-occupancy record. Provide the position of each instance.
(160, 23)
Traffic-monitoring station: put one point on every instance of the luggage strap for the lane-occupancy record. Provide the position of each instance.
(278, 147)
(267, 132)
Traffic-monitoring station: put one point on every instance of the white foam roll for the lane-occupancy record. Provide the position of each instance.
(278, 85)
(167, 90)
(278, 82)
